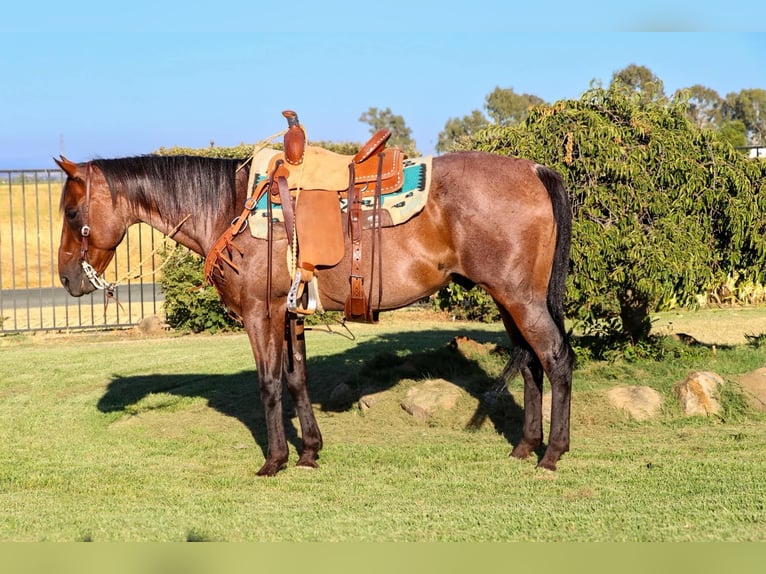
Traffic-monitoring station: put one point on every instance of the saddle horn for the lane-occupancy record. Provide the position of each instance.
(295, 139)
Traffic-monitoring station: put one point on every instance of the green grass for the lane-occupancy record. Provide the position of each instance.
(114, 437)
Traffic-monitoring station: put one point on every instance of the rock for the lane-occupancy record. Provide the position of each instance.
(408, 369)
(639, 402)
(697, 393)
(754, 384)
(424, 399)
(369, 397)
(151, 325)
(341, 395)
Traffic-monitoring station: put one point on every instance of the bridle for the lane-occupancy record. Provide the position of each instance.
(98, 281)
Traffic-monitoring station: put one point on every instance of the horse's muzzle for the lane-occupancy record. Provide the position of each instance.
(76, 285)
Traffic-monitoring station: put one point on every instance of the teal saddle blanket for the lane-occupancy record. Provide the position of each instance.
(401, 205)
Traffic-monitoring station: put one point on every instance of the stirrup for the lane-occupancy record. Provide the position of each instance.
(296, 292)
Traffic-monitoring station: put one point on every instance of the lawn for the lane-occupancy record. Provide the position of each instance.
(123, 437)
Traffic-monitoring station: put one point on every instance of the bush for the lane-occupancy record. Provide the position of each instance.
(190, 304)
(466, 305)
(661, 209)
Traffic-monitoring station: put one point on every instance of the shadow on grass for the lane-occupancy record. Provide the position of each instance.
(370, 366)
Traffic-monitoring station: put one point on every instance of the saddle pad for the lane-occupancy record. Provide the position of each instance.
(402, 205)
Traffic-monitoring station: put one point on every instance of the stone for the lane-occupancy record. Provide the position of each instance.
(698, 393)
(341, 395)
(754, 385)
(638, 402)
(428, 397)
(151, 325)
(370, 397)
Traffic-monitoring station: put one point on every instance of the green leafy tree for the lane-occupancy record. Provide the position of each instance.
(401, 135)
(749, 106)
(734, 132)
(704, 106)
(507, 108)
(638, 80)
(458, 128)
(504, 107)
(663, 211)
(190, 304)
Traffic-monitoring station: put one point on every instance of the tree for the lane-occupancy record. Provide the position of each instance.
(705, 105)
(401, 135)
(734, 132)
(504, 107)
(749, 106)
(638, 80)
(457, 128)
(507, 108)
(663, 211)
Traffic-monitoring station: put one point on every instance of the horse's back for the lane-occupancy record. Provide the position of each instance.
(488, 191)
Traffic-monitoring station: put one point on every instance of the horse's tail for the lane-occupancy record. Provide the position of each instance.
(562, 213)
(522, 354)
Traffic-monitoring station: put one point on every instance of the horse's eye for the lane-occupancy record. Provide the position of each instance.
(71, 213)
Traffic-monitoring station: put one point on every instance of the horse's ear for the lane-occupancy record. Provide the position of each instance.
(69, 167)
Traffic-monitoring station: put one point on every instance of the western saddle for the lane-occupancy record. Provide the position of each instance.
(309, 182)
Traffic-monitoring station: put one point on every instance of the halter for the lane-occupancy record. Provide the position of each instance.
(98, 281)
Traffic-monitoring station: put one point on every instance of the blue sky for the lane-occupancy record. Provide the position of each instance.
(97, 79)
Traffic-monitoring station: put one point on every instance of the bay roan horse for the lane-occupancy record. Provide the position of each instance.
(497, 222)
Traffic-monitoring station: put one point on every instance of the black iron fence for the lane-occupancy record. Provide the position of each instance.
(31, 296)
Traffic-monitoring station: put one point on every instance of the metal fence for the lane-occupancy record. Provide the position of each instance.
(31, 295)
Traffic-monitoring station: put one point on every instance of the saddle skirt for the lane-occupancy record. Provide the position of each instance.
(396, 206)
(329, 171)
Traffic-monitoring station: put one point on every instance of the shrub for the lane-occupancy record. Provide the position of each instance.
(662, 210)
(466, 304)
(190, 304)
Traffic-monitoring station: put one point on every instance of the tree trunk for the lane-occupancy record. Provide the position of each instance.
(634, 312)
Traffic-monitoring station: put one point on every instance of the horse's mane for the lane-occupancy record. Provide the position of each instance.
(174, 185)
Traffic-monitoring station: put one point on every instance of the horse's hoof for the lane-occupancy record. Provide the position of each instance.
(548, 463)
(307, 462)
(522, 450)
(270, 468)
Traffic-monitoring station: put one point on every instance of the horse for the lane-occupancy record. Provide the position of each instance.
(499, 222)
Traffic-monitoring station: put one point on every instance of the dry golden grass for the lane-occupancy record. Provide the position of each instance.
(713, 326)
(78, 314)
(30, 226)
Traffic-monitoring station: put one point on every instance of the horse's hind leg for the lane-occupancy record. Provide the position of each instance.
(535, 324)
(524, 361)
(295, 374)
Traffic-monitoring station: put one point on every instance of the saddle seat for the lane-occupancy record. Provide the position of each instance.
(308, 183)
(317, 179)
(325, 170)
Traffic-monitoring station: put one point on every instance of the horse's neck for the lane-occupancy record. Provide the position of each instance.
(191, 230)
(197, 229)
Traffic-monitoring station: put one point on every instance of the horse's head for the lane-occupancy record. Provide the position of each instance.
(92, 228)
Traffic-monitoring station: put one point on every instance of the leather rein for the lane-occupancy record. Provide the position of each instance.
(97, 280)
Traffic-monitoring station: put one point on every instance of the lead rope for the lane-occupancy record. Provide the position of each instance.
(99, 282)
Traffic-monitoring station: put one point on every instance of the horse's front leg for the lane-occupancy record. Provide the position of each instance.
(266, 339)
(294, 359)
